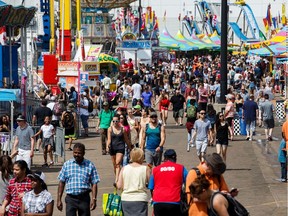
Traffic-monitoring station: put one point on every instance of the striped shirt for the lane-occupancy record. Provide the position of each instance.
(36, 203)
(14, 194)
(78, 177)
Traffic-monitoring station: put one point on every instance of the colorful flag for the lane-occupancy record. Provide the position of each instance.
(284, 19)
(265, 24)
(274, 20)
(155, 27)
(268, 16)
(3, 35)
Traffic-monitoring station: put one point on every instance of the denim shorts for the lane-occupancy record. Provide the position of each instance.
(84, 119)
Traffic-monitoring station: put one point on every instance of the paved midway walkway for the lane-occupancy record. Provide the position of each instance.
(252, 167)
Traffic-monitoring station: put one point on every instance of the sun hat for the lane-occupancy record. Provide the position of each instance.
(216, 162)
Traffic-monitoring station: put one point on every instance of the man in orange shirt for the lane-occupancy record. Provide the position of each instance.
(213, 167)
(285, 132)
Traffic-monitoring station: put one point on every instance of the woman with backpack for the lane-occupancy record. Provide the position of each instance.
(218, 203)
(68, 120)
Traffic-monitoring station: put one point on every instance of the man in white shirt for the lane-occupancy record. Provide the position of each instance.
(84, 114)
(55, 119)
(106, 82)
(136, 91)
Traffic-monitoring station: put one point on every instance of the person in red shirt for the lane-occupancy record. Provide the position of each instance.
(166, 183)
(16, 189)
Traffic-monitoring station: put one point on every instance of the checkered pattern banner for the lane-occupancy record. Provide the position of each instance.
(280, 110)
(236, 126)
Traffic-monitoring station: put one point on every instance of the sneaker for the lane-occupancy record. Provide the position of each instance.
(250, 139)
(45, 165)
(37, 150)
(270, 138)
(181, 124)
(247, 138)
(70, 149)
(51, 163)
(192, 145)
(104, 152)
(283, 180)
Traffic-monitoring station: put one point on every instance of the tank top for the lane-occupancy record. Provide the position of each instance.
(153, 136)
(134, 188)
(117, 140)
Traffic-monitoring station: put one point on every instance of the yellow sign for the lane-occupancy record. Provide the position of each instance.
(104, 58)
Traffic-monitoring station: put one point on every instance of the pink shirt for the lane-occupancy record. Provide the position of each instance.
(202, 99)
(230, 110)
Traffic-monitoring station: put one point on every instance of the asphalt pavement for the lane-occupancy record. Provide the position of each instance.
(252, 167)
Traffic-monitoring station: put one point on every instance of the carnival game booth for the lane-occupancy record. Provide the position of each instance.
(91, 68)
(11, 96)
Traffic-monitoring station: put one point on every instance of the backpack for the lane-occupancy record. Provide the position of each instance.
(68, 120)
(90, 105)
(57, 109)
(191, 112)
(235, 208)
(184, 205)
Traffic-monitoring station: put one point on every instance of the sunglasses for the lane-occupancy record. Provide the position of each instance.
(202, 113)
(153, 116)
(115, 121)
(221, 115)
(121, 117)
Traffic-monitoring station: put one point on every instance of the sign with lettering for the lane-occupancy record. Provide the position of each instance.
(136, 44)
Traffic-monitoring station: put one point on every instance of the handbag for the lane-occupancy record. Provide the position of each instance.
(111, 204)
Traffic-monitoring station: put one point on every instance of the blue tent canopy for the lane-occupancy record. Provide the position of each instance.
(9, 94)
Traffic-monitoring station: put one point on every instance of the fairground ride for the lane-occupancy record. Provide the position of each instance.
(206, 20)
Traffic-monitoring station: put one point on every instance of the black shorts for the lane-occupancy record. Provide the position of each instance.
(229, 121)
(269, 123)
(113, 152)
(70, 131)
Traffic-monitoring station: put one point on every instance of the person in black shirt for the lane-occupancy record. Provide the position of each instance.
(178, 102)
(38, 119)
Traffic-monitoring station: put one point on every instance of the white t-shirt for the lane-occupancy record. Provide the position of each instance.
(106, 82)
(136, 88)
(47, 130)
(84, 102)
(51, 106)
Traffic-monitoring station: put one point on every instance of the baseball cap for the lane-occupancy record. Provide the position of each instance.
(21, 118)
(137, 106)
(105, 103)
(84, 93)
(170, 153)
(229, 96)
(153, 114)
(37, 175)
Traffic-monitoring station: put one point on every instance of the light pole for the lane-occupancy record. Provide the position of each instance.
(224, 71)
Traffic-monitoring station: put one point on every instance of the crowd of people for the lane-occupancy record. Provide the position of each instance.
(134, 134)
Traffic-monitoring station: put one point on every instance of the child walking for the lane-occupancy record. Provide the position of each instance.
(282, 152)
(48, 140)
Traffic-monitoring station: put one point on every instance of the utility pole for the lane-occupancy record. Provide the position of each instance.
(224, 71)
